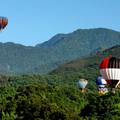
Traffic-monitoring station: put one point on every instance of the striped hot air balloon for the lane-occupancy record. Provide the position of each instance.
(3, 22)
(110, 70)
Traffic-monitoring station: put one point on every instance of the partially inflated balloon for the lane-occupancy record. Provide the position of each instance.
(3, 22)
(82, 83)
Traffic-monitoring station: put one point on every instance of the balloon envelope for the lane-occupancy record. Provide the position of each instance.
(3, 22)
(100, 81)
(110, 70)
(82, 83)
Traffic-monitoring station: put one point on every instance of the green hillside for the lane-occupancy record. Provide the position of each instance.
(92, 61)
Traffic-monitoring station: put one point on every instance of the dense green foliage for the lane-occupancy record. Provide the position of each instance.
(54, 97)
(102, 107)
(62, 48)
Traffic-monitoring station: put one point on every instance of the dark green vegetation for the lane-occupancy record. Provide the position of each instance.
(54, 97)
(62, 48)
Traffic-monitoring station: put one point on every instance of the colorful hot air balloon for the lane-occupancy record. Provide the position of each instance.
(82, 84)
(110, 70)
(101, 82)
(3, 22)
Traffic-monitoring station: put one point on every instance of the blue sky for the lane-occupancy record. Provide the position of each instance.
(34, 21)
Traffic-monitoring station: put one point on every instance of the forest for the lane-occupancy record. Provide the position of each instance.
(55, 97)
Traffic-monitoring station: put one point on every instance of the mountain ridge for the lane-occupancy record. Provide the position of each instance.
(59, 35)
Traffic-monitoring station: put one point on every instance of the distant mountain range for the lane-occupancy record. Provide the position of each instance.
(61, 48)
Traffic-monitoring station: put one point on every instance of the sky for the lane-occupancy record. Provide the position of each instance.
(35, 21)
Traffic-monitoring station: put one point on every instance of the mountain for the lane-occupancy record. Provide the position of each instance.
(61, 48)
(82, 41)
(87, 62)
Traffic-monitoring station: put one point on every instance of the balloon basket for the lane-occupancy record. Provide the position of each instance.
(102, 91)
(83, 90)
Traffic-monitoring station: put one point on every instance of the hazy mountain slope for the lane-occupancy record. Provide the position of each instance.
(61, 48)
(92, 61)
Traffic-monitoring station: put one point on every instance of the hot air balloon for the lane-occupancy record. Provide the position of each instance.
(101, 83)
(110, 71)
(3, 23)
(82, 84)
